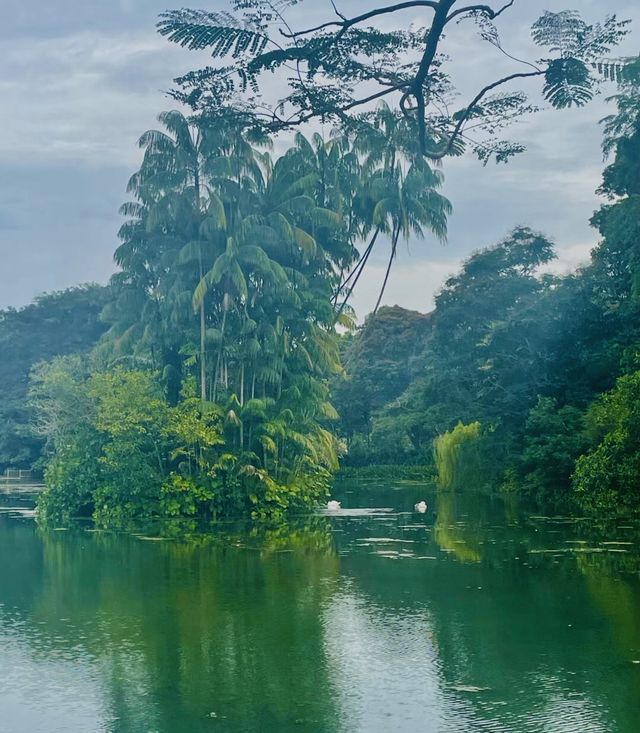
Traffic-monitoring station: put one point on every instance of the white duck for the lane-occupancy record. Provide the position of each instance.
(333, 505)
(421, 507)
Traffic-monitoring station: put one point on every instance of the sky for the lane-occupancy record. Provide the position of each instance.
(80, 80)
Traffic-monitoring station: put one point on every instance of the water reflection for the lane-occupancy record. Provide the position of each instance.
(461, 536)
(473, 617)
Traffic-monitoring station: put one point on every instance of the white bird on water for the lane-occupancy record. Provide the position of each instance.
(421, 507)
(333, 505)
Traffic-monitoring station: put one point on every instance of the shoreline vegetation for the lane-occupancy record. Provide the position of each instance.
(418, 473)
(221, 372)
(209, 393)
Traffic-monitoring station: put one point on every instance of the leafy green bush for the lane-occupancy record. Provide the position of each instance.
(554, 439)
(119, 451)
(607, 478)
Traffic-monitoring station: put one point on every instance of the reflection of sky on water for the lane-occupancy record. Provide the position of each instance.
(387, 669)
(35, 686)
(385, 666)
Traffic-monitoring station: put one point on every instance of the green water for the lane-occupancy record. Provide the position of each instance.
(474, 617)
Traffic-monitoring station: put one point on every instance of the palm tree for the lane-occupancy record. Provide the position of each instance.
(398, 192)
(169, 183)
(252, 245)
(411, 205)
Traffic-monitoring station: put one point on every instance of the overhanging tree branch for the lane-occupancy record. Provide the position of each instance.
(335, 58)
(347, 23)
(469, 109)
(488, 11)
(431, 48)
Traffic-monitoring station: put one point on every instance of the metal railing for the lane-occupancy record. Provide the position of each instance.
(17, 474)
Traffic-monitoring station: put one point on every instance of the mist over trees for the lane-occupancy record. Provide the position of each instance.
(547, 365)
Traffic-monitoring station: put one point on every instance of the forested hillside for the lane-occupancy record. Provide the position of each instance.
(55, 324)
(380, 361)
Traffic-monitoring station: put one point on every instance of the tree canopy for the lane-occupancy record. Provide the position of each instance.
(66, 322)
(336, 68)
(547, 366)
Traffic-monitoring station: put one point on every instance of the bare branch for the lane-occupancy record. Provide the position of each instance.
(479, 96)
(486, 9)
(347, 23)
(497, 45)
(337, 12)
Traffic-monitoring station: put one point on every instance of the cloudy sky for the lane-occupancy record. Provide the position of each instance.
(81, 79)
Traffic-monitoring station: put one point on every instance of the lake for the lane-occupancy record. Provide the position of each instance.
(476, 616)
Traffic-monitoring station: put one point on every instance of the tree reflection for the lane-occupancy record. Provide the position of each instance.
(458, 538)
(187, 629)
(268, 628)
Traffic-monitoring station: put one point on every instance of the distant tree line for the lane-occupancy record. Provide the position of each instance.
(55, 324)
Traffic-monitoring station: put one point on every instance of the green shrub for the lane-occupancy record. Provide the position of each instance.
(607, 478)
(119, 451)
(457, 456)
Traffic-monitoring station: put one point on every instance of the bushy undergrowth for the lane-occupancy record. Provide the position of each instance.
(119, 451)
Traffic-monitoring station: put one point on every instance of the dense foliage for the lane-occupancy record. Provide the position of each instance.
(213, 388)
(380, 363)
(546, 365)
(235, 270)
(607, 477)
(122, 451)
(58, 323)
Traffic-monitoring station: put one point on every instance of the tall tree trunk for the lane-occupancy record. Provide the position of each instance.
(280, 376)
(394, 246)
(242, 405)
(219, 360)
(361, 265)
(203, 366)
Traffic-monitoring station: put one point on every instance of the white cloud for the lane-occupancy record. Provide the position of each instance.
(570, 257)
(83, 98)
(412, 285)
